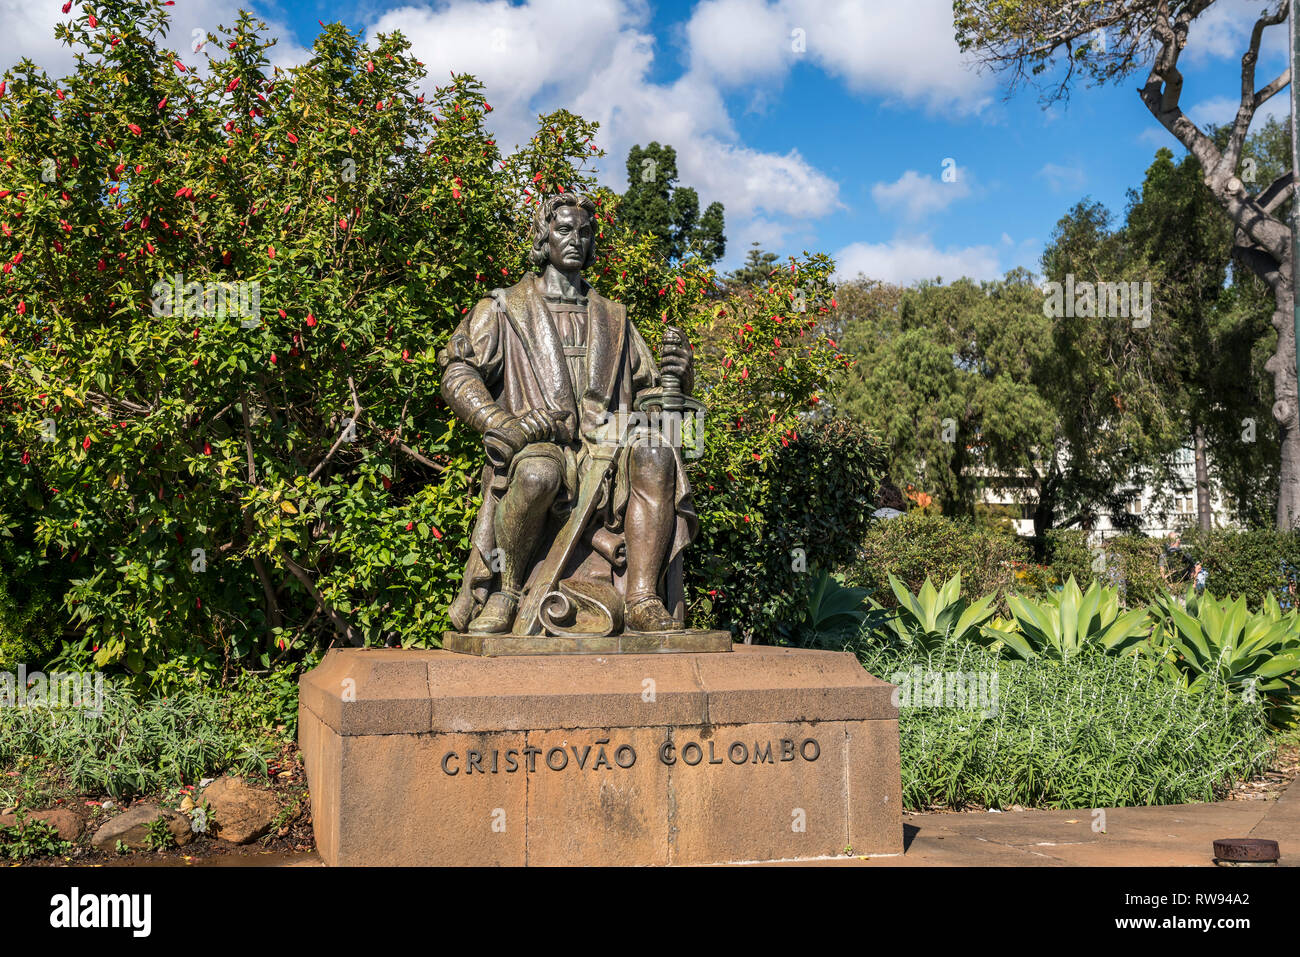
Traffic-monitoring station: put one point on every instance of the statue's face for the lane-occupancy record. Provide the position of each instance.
(570, 238)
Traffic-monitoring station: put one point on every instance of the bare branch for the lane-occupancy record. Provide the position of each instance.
(341, 624)
(1250, 99)
(351, 427)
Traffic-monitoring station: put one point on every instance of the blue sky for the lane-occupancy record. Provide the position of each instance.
(820, 124)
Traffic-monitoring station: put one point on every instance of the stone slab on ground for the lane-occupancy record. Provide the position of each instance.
(131, 827)
(429, 757)
(66, 821)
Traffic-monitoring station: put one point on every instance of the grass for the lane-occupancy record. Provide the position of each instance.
(1096, 731)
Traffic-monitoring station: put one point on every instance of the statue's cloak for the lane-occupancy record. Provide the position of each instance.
(510, 342)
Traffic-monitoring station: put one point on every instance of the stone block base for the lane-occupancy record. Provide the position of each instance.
(434, 758)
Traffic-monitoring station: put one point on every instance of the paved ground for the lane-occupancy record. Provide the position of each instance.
(1178, 835)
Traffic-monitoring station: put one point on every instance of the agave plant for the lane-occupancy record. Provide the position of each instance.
(933, 616)
(1273, 612)
(1221, 642)
(1070, 621)
(833, 608)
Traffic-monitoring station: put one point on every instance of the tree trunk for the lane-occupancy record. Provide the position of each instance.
(1204, 517)
(1286, 408)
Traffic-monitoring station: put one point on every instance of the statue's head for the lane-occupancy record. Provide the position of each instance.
(564, 232)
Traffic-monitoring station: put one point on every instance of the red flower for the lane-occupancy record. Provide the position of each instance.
(455, 193)
(487, 107)
(207, 449)
(293, 139)
(179, 65)
(67, 6)
(133, 128)
(22, 308)
(370, 66)
(85, 444)
(270, 251)
(101, 265)
(93, 22)
(273, 358)
(388, 483)
(410, 525)
(27, 457)
(311, 320)
(230, 87)
(162, 102)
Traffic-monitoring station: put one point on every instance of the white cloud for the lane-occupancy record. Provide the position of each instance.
(902, 52)
(600, 67)
(907, 260)
(29, 32)
(914, 196)
(1223, 32)
(1223, 109)
(1063, 178)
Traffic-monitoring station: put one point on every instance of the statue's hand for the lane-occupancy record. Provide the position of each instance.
(677, 359)
(536, 425)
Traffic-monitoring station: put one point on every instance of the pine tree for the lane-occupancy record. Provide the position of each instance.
(656, 205)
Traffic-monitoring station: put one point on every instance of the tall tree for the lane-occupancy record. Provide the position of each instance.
(1108, 40)
(947, 374)
(654, 204)
(1174, 226)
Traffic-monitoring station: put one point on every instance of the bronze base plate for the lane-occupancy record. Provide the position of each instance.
(658, 643)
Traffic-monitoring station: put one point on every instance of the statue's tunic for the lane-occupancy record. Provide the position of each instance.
(584, 361)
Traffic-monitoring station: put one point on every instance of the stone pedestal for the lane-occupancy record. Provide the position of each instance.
(435, 758)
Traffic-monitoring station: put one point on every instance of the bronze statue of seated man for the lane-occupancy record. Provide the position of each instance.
(586, 506)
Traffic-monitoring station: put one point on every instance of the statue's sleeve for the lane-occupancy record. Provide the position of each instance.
(645, 373)
(471, 364)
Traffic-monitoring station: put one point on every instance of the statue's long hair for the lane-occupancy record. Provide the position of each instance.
(542, 225)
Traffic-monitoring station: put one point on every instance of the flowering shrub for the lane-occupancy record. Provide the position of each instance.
(223, 290)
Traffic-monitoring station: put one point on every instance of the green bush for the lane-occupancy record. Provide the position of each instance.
(1094, 731)
(802, 511)
(1067, 554)
(32, 616)
(915, 546)
(1251, 564)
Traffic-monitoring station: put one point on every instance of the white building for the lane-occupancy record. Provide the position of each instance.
(1157, 515)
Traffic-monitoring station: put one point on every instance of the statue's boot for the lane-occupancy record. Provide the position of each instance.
(498, 613)
(646, 613)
